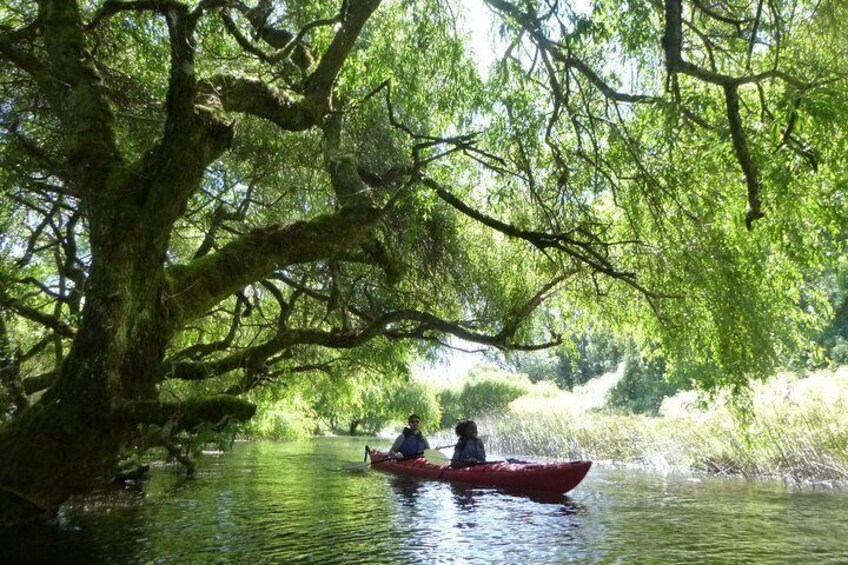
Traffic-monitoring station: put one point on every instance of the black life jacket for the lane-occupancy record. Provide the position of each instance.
(413, 444)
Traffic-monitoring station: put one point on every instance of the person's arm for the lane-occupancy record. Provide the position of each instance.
(481, 450)
(395, 449)
(426, 443)
(456, 454)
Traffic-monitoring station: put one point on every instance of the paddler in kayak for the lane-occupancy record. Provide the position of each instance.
(469, 449)
(410, 443)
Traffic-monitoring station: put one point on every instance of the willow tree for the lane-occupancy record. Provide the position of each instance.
(708, 135)
(235, 193)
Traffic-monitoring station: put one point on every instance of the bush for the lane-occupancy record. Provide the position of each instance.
(642, 387)
(839, 352)
(286, 419)
(487, 391)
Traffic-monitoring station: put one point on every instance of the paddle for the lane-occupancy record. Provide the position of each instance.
(366, 464)
(363, 466)
(434, 453)
(436, 457)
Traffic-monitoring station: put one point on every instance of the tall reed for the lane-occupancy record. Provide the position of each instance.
(792, 428)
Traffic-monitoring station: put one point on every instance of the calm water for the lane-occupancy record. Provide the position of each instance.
(288, 503)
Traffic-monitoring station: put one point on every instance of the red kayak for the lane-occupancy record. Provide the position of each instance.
(543, 477)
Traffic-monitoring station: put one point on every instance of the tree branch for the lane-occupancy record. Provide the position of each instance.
(195, 287)
(187, 415)
(531, 25)
(253, 358)
(242, 41)
(582, 251)
(83, 109)
(252, 96)
(112, 7)
(319, 85)
(672, 45)
(46, 320)
(743, 156)
(30, 64)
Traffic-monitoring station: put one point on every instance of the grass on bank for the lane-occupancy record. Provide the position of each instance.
(792, 428)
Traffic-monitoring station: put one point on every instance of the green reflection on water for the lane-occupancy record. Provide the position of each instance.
(289, 503)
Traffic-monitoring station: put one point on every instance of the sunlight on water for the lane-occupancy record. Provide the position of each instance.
(290, 503)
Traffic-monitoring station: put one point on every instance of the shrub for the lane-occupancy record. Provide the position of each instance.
(487, 391)
(642, 387)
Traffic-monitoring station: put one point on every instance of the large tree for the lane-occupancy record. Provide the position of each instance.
(234, 193)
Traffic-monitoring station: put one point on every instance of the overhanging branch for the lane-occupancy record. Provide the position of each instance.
(197, 286)
(319, 85)
(399, 324)
(580, 250)
(186, 415)
(252, 96)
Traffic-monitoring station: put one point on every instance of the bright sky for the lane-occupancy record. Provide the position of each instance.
(484, 39)
(453, 368)
(478, 23)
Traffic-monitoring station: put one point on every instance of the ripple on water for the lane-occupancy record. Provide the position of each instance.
(282, 503)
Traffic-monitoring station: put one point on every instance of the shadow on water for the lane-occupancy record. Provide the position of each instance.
(71, 537)
(465, 494)
(407, 489)
(46, 544)
(267, 503)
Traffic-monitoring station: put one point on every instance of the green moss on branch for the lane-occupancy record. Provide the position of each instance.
(189, 414)
(199, 285)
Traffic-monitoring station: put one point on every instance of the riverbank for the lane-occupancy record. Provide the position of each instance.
(793, 428)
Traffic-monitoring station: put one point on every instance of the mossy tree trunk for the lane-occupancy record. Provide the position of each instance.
(68, 441)
(131, 199)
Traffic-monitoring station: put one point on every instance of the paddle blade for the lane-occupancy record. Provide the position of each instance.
(355, 467)
(436, 457)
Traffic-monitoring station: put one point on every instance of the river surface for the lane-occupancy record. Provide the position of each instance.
(290, 503)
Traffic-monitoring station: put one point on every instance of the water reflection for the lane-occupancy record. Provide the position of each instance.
(463, 496)
(406, 490)
(40, 544)
(278, 503)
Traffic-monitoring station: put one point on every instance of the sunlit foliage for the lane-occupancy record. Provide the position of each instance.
(204, 203)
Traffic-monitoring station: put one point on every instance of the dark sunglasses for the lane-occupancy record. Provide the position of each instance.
(414, 421)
